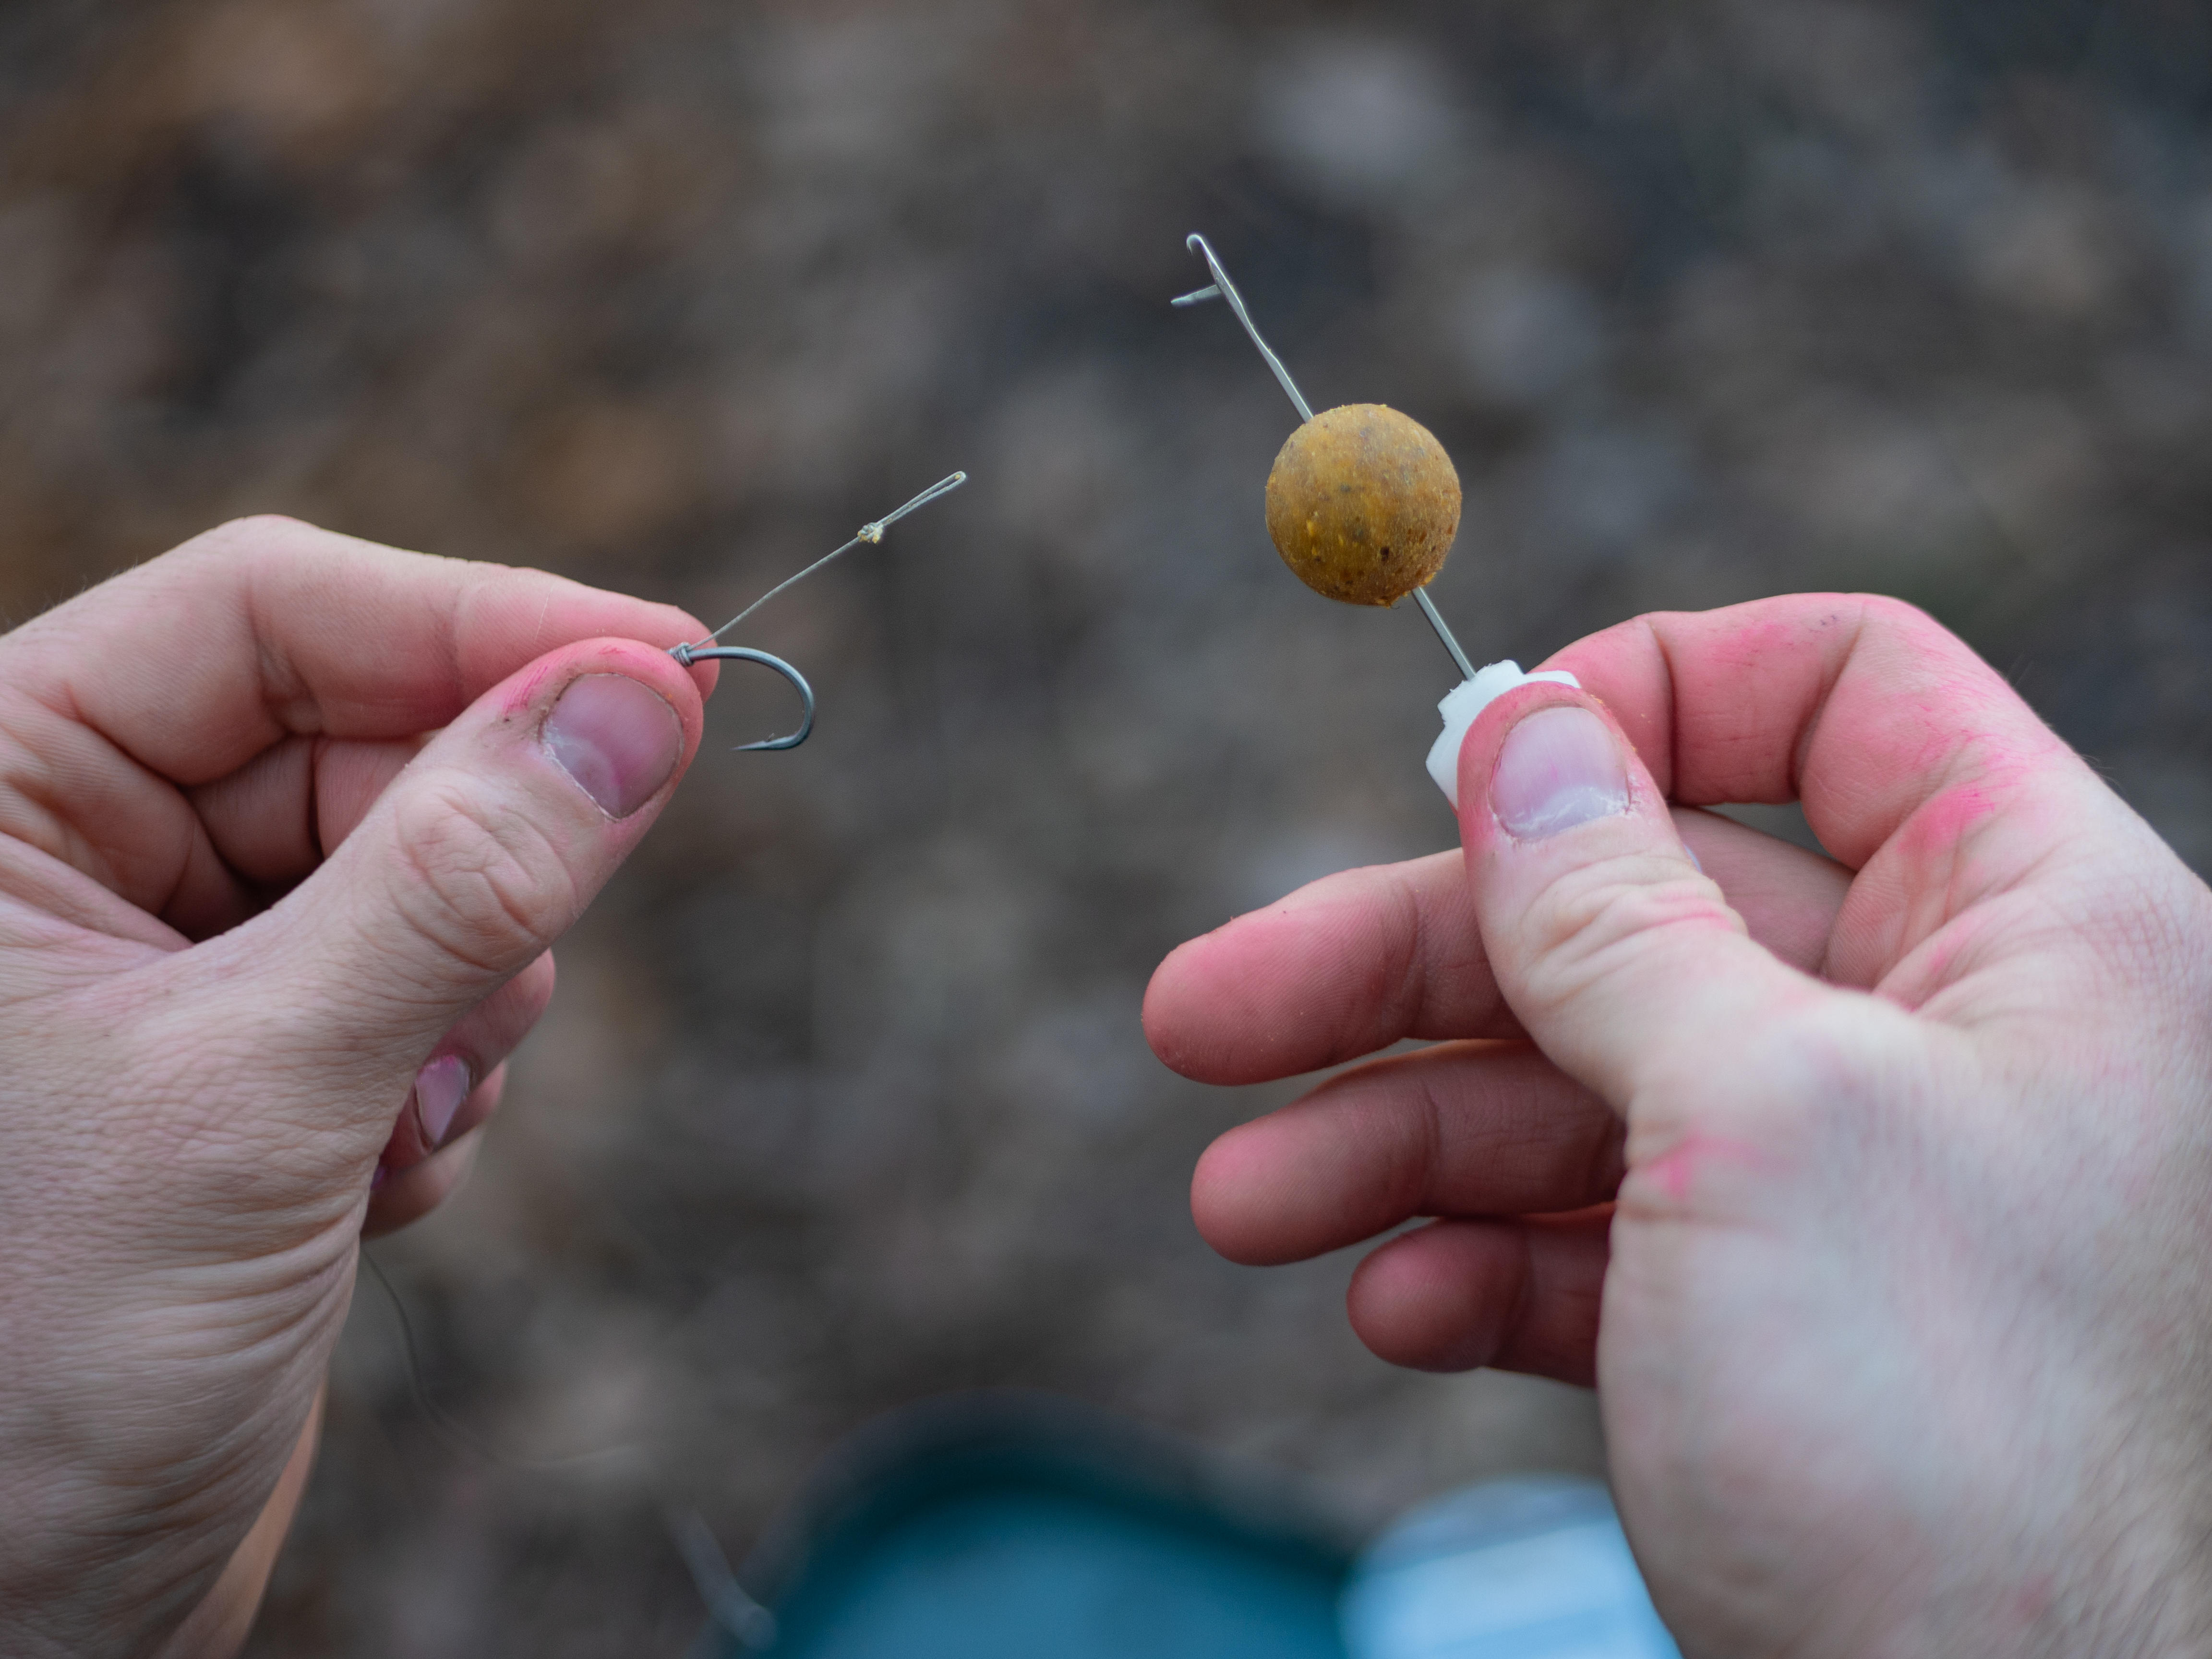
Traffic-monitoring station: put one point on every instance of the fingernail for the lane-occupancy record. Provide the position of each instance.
(439, 1089)
(1559, 768)
(618, 739)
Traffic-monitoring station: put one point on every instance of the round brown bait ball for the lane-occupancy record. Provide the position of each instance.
(1363, 504)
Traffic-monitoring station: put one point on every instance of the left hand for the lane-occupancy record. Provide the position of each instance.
(288, 826)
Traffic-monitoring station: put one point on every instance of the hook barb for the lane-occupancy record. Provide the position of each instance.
(688, 654)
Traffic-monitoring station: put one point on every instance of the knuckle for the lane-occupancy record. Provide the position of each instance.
(1596, 920)
(487, 887)
(245, 538)
(534, 990)
(1883, 611)
(1829, 1094)
(1814, 1104)
(1816, 1062)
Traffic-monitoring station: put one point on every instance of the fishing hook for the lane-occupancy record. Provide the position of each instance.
(688, 654)
(707, 650)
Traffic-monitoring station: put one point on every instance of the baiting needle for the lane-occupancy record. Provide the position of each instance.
(1222, 288)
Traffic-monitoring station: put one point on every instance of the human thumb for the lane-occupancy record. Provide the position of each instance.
(473, 861)
(1623, 963)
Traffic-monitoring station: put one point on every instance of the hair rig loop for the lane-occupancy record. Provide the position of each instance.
(707, 650)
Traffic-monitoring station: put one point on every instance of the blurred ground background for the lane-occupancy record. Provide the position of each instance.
(843, 1101)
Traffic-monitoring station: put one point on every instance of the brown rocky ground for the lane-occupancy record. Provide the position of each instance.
(843, 1101)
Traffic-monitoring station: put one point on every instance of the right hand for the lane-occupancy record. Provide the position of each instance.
(1874, 1196)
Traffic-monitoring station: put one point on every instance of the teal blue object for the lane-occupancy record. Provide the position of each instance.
(1048, 1535)
(1022, 1570)
(1532, 1568)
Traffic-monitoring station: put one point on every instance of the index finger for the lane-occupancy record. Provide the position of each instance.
(1863, 708)
(181, 672)
(192, 664)
(1356, 961)
(1917, 764)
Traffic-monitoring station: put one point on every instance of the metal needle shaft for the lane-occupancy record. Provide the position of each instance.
(1436, 621)
(1227, 290)
(1223, 288)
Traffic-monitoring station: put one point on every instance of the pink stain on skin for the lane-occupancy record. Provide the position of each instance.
(1936, 964)
(1959, 849)
(1946, 820)
(626, 656)
(1860, 706)
(530, 688)
(1690, 1160)
(1751, 644)
(1936, 840)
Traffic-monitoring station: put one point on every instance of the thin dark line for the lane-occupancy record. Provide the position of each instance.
(442, 1423)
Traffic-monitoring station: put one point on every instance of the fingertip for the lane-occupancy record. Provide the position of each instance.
(1624, 670)
(688, 629)
(1180, 1006)
(623, 721)
(1543, 759)
(617, 739)
(1158, 1013)
(478, 1109)
(705, 672)
(486, 848)
(1619, 957)
(423, 1129)
(1232, 1198)
(1520, 1295)
(532, 989)
(1437, 1299)
(1236, 1005)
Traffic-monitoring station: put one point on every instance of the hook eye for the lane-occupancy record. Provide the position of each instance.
(688, 654)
